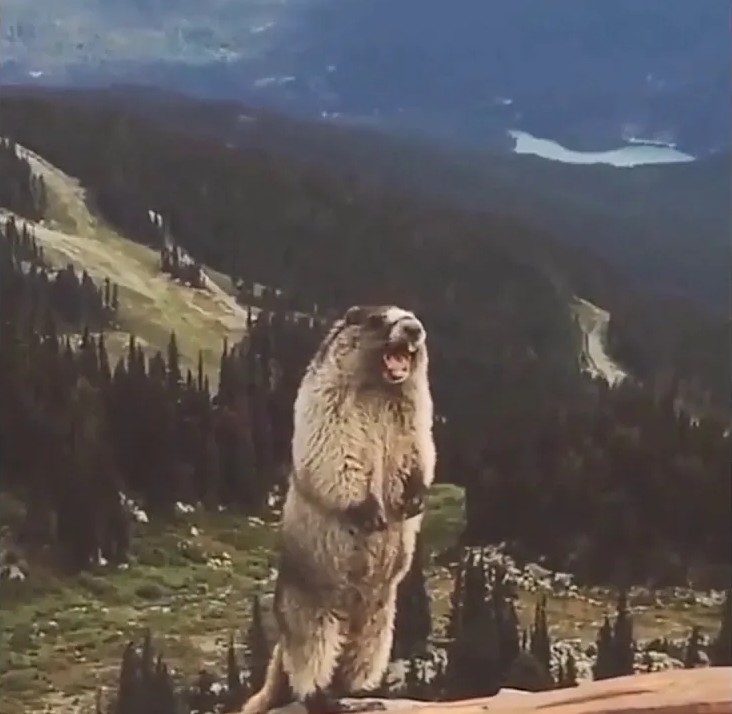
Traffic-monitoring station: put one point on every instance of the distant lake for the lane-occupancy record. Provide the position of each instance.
(633, 154)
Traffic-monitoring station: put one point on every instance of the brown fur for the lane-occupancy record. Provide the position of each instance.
(363, 456)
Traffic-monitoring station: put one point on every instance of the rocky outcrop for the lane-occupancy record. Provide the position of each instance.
(694, 691)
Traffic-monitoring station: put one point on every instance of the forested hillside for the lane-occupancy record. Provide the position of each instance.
(323, 237)
(644, 221)
(518, 421)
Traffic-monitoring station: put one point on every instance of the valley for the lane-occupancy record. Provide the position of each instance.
(152, 305)
(658, 228)
(535, 455)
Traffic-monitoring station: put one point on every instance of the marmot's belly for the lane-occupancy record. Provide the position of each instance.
(336, 557)
(376, 558)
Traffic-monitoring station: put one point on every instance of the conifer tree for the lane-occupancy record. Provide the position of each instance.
(507, 623)
(236, 693)
(604, 666)
(147, 659)
(623, 644)
(174, 372)
(104, 368)
(127, 699)
(540, 643)
(570, 671)
(161, 697)
(692, 652)
(721, 650)
(474, 662)
(457, 594)
(413, 621)
(257, 648)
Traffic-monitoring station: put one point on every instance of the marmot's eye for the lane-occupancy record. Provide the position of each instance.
(354, 315)
(375, 320)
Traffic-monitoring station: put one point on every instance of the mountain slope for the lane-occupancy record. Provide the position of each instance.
(494, 288)
(665, 227)
(151, 304)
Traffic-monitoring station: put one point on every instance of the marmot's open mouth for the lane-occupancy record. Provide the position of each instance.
(398, 362)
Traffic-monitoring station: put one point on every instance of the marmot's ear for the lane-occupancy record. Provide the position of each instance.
(356, 315)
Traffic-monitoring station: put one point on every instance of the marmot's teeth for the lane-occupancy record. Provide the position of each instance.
(412, 348)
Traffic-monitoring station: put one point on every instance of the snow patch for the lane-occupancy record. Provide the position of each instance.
(257, 29)
(268, 81)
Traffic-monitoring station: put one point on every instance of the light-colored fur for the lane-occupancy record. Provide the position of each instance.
(357, 438)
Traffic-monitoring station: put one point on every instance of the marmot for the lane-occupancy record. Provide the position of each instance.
(363, 456)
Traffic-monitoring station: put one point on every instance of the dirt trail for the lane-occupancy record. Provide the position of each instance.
(151, 304)
(593, 322)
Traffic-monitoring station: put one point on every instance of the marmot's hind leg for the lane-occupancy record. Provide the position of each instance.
(366, 654)
(311, 644)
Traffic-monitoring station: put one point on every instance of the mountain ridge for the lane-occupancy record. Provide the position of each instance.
(663, 227)
(158, 166)
(584, 74)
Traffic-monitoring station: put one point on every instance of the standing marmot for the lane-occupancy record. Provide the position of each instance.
(363, 457)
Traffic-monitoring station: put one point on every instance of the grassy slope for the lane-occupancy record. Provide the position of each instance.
(151, 305)
(60, 638)
(64, 636)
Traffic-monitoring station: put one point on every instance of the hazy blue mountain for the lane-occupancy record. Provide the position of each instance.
(588, 73)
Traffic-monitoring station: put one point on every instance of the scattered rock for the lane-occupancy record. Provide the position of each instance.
(135, 512)
(183, 509)
(12, 572)
(12, 566)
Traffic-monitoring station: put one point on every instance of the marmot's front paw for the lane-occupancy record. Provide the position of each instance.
(368, 516)
(413, 506)
(413, 496)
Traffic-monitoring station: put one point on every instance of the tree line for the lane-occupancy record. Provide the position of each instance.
(589, 475)
(21, 191)
(139, 427)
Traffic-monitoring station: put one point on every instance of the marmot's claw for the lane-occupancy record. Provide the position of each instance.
(321, 702)
(414, 496)
(368, 516)
(413, 505)
(364, 705)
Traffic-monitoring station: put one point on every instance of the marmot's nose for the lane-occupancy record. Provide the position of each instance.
(412, 331)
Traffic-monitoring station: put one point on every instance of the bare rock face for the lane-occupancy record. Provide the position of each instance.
(695, 691)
